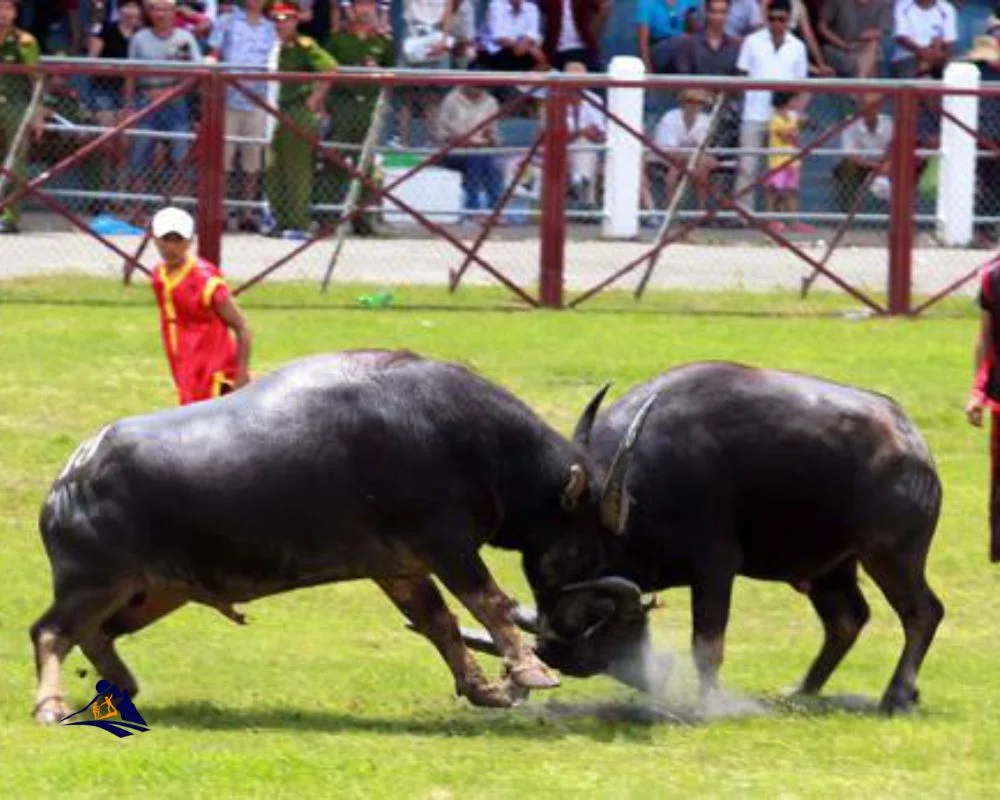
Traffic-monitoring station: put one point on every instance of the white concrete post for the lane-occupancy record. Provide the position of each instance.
(957, 170)
(623, 158)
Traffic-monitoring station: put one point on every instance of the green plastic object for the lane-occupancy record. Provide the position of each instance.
(376, 300)
(400, 160)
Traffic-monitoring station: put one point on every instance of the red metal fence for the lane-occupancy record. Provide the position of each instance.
(544, 111)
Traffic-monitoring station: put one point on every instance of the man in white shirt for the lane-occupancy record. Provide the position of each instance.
(865, 143)
(925, 32)
(513, 36)
(773, 53)
(463, 109)
(245, 37)
(678, 131)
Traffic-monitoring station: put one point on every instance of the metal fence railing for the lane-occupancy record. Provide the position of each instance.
(553, 186)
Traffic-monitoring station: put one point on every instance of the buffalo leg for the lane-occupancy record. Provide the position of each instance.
(100, 651)
(710, 600)
(473, 585)
(842, 608)
(72, 618)
(900, 576)
(419, 599)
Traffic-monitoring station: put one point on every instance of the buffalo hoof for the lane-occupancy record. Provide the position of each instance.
(899, 701)
(532, 673)
(51, 710)
(489, 695)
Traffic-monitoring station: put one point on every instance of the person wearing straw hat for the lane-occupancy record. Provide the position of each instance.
(205, 335)
(682, 129)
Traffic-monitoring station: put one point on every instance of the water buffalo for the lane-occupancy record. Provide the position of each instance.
(767, 474)
(363, 464)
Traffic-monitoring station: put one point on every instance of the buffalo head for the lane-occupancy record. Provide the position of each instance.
(587, 619)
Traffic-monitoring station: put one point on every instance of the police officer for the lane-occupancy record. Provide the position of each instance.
(361, 44)
(16, 47)
(288, 182)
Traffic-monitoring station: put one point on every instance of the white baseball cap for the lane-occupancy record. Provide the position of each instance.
(173, 220)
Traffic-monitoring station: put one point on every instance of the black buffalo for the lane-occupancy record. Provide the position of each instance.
(774, 476)
(367, 464)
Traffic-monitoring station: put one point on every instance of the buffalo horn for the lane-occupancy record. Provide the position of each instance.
(581, 434)
(615, 500)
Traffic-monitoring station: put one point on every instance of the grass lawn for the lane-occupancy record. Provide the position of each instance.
(326, 694)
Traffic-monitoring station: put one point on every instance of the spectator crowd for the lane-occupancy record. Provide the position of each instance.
(768, 39)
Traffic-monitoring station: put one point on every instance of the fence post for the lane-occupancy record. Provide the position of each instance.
(211, 168)
(956, 178)
(553, 218)
(903, 175)
(623, 161)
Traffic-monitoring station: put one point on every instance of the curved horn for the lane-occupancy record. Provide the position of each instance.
(581, 433)
(614, 497)
(621, 589)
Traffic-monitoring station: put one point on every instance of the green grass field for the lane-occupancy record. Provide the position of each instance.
(326, 694)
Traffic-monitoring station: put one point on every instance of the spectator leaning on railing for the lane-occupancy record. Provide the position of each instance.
(162, 41)
(245, 38)
(712, 51)
(110, 40)
(709, 51)
(925, 32)
(852, 31)
(774, 54)
(16, 47)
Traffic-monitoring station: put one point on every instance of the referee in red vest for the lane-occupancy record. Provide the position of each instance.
(986, 389)
(205, 335)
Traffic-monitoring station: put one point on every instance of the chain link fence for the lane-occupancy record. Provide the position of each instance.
(414, 179)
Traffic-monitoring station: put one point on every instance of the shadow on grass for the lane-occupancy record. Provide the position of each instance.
(599, 720)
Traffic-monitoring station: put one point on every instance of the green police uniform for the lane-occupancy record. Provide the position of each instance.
(288, 181)
(351, 108)
(17, 47)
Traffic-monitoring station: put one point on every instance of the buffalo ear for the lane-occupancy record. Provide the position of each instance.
(575, 487)
(581, 434)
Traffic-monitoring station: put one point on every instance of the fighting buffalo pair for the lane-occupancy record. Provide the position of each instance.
(392, 467)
